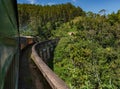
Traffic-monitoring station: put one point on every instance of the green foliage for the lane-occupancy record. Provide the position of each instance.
(89, 58)
(114, 18)
(27, 31)
(44, 19)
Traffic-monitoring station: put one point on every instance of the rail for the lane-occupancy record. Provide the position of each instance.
(41, 54)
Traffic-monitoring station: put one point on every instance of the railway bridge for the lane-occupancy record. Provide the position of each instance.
(36, 67)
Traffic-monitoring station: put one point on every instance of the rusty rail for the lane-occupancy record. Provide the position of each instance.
(40, 60)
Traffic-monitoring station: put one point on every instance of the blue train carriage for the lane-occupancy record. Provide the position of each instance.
(9, 45)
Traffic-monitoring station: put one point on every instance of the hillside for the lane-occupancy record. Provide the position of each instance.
(40, 20)
(89, 57)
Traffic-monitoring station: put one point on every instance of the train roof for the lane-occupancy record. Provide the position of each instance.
(27, 36)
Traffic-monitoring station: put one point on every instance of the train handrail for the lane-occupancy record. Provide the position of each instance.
(54, 81)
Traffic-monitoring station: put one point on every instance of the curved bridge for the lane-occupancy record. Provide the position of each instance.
(43, 53)
(42, 75)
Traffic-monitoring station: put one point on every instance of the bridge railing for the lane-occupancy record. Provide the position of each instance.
(42, 54)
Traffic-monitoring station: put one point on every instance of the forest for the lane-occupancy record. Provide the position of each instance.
(88, 53)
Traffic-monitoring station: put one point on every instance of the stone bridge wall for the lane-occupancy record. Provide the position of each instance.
(42, 55)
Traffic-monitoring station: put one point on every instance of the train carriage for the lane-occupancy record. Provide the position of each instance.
(26, 40)
(9, 45)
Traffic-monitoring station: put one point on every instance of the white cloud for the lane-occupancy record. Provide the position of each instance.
(31, 1)
(50, 3)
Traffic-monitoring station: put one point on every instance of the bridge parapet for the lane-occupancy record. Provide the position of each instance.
(46, 51)
(42, 54)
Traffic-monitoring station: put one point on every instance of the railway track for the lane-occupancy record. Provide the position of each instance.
(28, 72)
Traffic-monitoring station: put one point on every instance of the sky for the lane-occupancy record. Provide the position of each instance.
(87, 5)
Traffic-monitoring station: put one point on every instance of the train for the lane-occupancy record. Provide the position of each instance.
(26, 40)
(9, 45)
